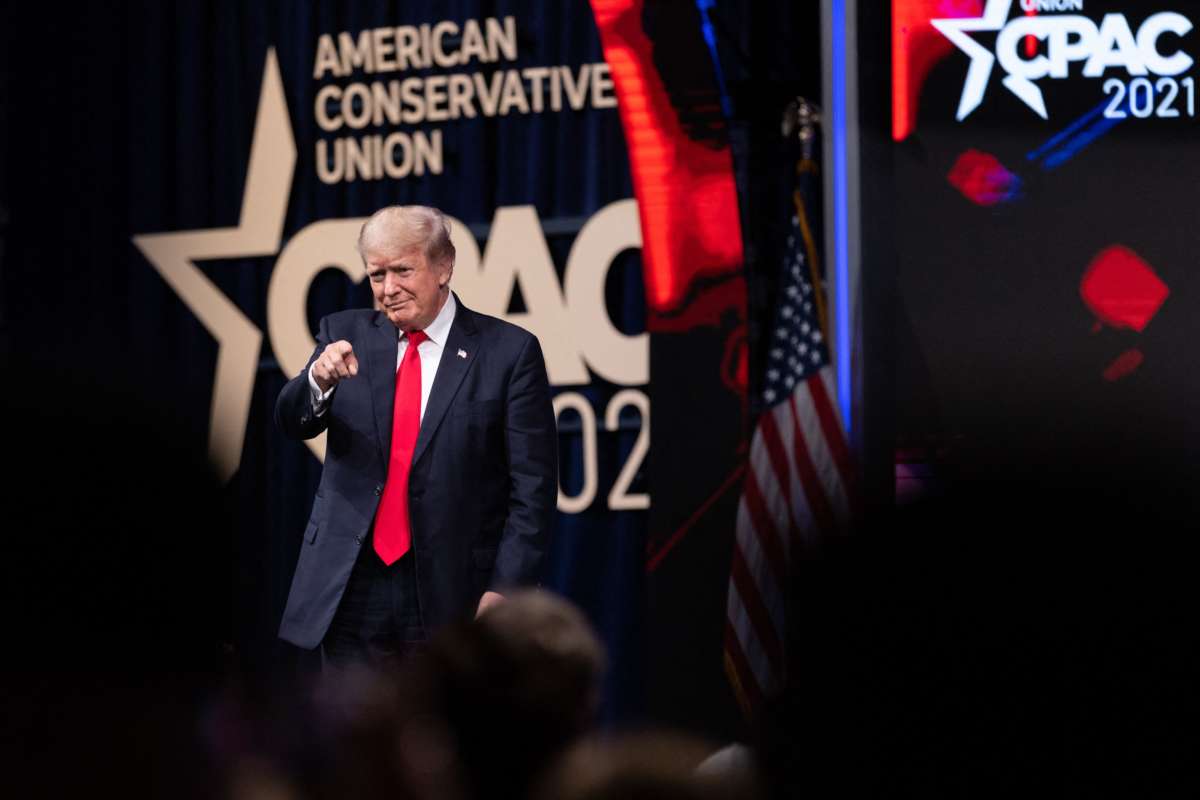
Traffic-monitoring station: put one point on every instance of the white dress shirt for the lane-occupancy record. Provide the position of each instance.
(429, 350)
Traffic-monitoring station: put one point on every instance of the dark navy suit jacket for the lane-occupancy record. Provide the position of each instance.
(483, 485)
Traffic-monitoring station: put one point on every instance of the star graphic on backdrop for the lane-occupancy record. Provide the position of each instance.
(258, 233)
(995, 15)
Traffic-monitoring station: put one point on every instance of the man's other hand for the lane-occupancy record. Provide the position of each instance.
(488, 600)
(336, 362)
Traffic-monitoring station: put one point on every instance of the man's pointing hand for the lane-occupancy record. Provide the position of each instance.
(336, 362)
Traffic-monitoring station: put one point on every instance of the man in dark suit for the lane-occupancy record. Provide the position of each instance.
(440, 477)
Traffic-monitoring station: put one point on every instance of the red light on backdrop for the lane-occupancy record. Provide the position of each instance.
(1121, 289)
(1123, 365)
(982, 179)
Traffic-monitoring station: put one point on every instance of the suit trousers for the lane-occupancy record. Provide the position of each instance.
(378, 621)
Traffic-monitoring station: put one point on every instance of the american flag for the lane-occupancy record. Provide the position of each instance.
(798, 480)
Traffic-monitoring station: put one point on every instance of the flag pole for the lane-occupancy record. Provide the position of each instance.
(804, 117)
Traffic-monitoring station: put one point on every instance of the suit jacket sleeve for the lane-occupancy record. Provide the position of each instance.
(294, 413)
(533, 470)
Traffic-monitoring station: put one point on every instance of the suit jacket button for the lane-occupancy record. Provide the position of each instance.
(378, 489)
(358, 540)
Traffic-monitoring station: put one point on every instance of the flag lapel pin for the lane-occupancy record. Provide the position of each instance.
(462, 353)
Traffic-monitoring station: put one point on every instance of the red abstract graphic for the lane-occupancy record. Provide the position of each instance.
(916, 48)
(1123, 365)
(1121, 289)
(982, 179)
(685, 190)
(1031, 41)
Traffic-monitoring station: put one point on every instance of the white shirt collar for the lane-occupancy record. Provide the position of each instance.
(439, 329)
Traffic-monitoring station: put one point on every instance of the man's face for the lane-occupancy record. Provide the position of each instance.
(407, 287)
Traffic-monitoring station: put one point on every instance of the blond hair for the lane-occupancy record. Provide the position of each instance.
(394, 229)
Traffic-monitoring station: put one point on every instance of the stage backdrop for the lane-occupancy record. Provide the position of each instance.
(186, 185)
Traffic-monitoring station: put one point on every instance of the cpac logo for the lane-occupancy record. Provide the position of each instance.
(1069, 38)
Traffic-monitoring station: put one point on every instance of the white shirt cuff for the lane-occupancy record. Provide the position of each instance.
(320, 400)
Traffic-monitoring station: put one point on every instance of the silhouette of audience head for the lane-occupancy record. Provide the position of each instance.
(513, 688)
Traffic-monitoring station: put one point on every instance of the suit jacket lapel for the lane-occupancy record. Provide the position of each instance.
(382, 348)
(450, 373)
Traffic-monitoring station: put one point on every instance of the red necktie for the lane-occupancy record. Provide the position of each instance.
(393, 533)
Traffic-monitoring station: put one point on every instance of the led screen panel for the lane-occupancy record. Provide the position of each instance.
(1046, 163)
